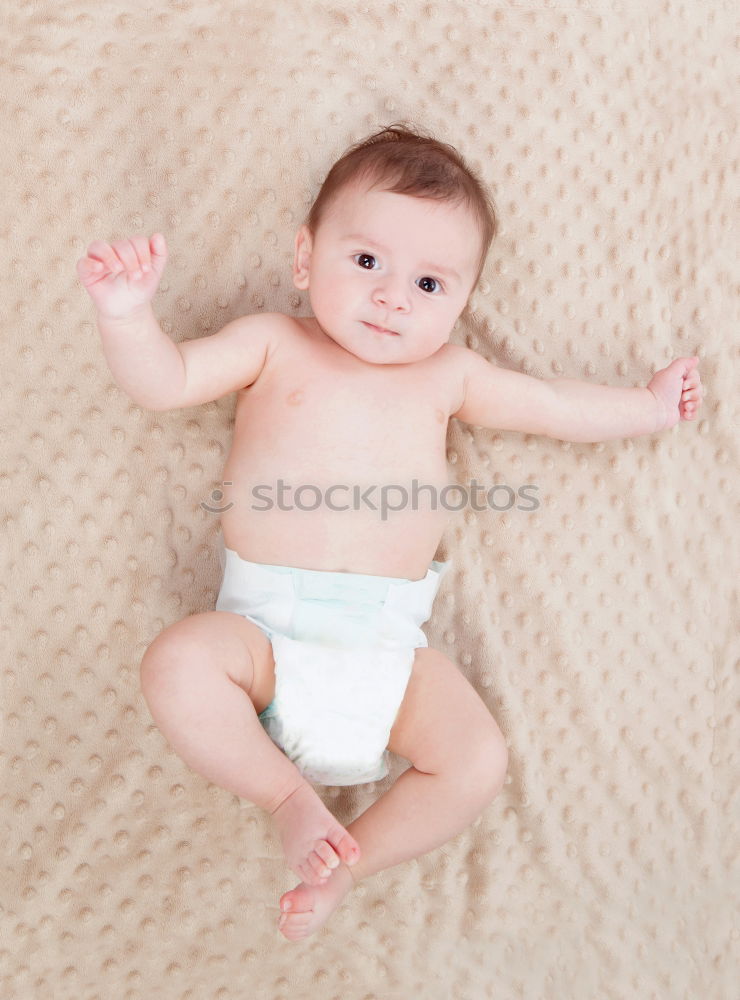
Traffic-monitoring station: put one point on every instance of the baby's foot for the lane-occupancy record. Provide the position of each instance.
(311, 905)
(314, 842)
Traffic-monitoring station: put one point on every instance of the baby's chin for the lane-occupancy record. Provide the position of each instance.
(394, 350)
(402, 358)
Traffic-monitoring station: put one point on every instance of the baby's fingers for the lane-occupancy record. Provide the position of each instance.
(151, 255)
(158, 248)
(106, 255)
(139, 261)
(127, 253)
(88, 268)
(690, 402)
(90, 271)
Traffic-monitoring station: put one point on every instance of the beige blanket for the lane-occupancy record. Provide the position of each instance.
(601, 629)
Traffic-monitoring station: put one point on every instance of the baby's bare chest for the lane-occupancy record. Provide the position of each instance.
(320, 422)
(315, 410)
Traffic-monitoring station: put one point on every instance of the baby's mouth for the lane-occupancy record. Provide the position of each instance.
(381, 329)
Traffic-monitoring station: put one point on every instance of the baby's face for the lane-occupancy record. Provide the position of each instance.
(389, 261)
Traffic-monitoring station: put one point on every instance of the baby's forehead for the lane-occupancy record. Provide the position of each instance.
(374, 216)
(354, 203)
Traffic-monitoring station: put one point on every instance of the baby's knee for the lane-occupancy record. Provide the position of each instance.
(172, 650)
(489, 763)
(212, 647)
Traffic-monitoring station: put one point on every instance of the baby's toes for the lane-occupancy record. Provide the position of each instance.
(296, 902)
(314, 871)
(307, 875)
(321, 868)
(296, 925)
(326, 854)
(346, 847)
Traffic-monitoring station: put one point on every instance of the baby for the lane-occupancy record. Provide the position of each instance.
(314, 664)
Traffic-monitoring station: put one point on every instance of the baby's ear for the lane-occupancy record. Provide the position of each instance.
(302, 258)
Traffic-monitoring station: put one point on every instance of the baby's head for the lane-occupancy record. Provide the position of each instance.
(397, 238)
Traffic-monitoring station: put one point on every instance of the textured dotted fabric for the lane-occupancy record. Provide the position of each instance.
(600, 628)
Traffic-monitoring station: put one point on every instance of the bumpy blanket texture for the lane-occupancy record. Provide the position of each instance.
(601, 628)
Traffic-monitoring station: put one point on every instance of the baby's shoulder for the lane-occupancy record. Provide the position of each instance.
(454, 359)
(451, 362)
(455, 355)
(284, 327)
(277, 330)
(273, 321)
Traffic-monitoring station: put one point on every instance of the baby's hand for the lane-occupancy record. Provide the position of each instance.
(121, 276)
(678, 390)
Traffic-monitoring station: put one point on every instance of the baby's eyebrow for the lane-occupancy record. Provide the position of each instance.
(359, 238)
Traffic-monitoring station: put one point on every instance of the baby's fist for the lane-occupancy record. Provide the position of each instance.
(678, 390)
(123, 275)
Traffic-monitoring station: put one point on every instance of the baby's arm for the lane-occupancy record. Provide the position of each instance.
(121, 279)
(572, 410)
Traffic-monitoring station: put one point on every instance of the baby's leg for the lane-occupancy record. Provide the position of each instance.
(205, 680)
(459, 760)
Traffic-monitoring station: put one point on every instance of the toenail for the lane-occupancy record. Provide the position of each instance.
(286, 906)
(334, 863)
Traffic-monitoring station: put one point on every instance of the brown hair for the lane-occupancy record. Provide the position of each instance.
(409, 162)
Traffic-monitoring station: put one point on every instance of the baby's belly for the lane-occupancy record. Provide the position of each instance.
(384, 530)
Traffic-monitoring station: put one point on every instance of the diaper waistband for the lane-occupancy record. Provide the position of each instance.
(322, 585)
(326, 606)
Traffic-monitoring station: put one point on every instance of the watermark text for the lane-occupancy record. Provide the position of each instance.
(386, 499)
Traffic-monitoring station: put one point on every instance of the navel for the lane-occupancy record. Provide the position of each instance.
(295, 398)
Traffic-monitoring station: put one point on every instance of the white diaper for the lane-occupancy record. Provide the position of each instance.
(344, 647)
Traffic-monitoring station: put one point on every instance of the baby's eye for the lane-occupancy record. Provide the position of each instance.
(432, 281)
(360, 257)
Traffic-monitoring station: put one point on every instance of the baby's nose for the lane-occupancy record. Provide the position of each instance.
(392, 297)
